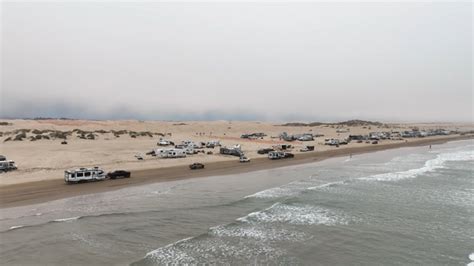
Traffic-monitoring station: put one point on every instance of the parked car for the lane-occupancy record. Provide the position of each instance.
(244, 159)
(118, 174)
(265, 151)
(195, 166)
(288, 155)
(307, 148)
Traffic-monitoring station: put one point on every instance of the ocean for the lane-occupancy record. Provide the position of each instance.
(407, 206)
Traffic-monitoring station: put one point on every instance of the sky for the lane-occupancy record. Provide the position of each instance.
(281, 61)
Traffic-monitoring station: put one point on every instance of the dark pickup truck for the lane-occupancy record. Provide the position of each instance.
(118, 174)
(195, 166)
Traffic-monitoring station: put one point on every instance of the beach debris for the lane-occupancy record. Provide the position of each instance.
(139, 157)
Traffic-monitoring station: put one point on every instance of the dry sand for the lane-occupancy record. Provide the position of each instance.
(42, 163)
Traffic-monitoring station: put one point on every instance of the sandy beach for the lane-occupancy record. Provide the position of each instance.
(41, 163)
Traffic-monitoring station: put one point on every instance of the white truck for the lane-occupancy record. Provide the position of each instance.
(7, 165)
(84, 175)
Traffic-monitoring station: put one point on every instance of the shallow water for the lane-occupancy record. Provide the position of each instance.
(405, 206)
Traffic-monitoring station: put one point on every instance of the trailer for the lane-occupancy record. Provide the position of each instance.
(84, 175)
(170, 153)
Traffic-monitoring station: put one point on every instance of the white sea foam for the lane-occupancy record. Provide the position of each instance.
(70, 219)
(210, 250)
(272, 193)
(256, 232)
(429, 166)
(327, 185)
(471, 256)
(306, 214)
(291, 189)
(16, 227)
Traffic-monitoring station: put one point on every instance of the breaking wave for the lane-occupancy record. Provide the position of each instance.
(430, 165)
(16, 227)
(260, 233)
(70, 219)
(211, 251)
(300, 215)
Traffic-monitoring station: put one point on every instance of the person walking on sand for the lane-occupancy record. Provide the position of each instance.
(430, 147)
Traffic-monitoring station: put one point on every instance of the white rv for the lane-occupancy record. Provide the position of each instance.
(170, 153)
(84, 174)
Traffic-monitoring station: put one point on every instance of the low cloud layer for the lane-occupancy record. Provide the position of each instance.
(238, 61)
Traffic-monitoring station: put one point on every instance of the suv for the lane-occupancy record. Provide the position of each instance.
(195, 166)
(118, 174)
(244, 159)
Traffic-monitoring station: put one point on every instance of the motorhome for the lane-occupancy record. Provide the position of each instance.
(84, 175)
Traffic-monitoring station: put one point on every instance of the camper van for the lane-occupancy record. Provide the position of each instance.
(7, 165)
(84, 175)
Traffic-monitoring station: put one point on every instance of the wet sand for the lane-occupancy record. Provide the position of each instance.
(48, 190)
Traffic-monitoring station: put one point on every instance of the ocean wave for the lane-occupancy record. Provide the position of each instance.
(15, 227)
(429, 166)
(211, 250)
(327, 185)
(290, 189)
(276, 192)
(301, 215)
(70, 219)
(256, 232)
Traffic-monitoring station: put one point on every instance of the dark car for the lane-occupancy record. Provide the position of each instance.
(289, 155)
(265, 151)
(195, 166)
(118, 174)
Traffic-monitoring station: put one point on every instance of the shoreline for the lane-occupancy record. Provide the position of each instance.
(43, 191)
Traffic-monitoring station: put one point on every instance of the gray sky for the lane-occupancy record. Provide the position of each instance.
(241, 61)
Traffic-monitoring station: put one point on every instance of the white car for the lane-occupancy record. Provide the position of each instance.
(244, 159)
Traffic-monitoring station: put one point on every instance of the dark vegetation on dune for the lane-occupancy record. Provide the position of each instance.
(50, 134)
(349, 123)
